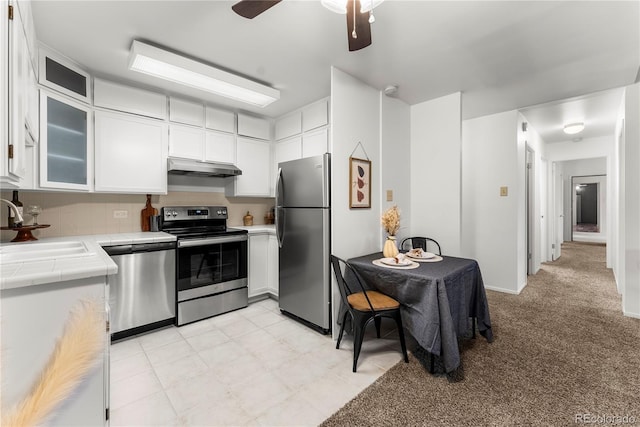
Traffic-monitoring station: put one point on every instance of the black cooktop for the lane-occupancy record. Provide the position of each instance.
(187, 222)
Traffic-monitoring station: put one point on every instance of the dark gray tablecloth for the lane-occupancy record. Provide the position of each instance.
(438, 300)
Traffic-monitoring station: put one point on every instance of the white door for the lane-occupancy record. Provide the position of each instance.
(557, 209)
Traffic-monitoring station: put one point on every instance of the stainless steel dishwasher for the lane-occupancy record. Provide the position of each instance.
(142, 295)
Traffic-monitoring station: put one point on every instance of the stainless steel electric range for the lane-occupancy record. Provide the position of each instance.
(211, 261)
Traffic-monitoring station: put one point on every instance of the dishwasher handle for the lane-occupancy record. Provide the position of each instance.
(139, 247)
(153, 247)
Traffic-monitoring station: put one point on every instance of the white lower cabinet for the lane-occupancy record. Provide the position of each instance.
(42, 311)
(258, 263)
(130, 154)
(263, 264)
(252, 157)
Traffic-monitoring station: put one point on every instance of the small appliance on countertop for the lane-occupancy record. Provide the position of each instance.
(211, 261)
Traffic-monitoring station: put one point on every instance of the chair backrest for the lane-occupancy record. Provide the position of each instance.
(420, 242)
(341, 268)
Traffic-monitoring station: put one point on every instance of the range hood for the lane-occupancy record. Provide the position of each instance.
(194, 167)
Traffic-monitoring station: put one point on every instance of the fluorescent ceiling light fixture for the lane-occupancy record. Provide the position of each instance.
(166, 65)
(573, 128)
(340, 6)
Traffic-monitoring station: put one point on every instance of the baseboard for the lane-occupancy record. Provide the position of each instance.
(503, 290)
(630, 314)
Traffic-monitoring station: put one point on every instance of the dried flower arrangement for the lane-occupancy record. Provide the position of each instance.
(391, 220)
(76, 352)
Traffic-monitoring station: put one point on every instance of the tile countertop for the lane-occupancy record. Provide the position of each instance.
(255, 229)
(96, 263)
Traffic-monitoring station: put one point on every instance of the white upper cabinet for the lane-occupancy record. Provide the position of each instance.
(288, 125)
(63, 75)
(130, 154)
(315, 143)
(220, 147)
(186, 142)
(221, 120)
(315, 115)
(187, 112)
(288, 149)
(252, 157)
(66, 143)
(129, 99)
(254, 127)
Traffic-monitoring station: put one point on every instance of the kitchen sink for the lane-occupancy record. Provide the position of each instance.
(25, 252)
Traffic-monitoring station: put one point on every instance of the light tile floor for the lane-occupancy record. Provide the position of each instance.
(252, 366)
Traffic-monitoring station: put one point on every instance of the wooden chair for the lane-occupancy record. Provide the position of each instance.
(364, 306)
(419, 242)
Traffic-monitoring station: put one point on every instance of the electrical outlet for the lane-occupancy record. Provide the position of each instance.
(504, 191)
(389, 195)
(120, 214)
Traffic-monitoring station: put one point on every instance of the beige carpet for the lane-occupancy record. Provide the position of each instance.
(562, 349)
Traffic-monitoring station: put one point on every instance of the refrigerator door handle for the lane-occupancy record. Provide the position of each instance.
(279, 188)
(280, 225)
(279, 211)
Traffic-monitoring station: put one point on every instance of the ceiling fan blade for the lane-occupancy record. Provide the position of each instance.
(362, 26)
(252, 8)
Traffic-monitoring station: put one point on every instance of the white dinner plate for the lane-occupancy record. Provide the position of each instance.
(425, 255)
(399, 263)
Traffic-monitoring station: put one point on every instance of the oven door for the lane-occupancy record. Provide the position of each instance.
(211, 265)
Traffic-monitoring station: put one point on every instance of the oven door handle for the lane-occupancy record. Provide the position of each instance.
(211, 241)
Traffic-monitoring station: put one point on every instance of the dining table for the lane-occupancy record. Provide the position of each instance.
(442, 299)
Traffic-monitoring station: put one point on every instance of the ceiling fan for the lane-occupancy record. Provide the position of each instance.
(358, 19)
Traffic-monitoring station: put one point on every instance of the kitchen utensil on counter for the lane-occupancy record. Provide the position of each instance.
(146, 214)
(154, 223)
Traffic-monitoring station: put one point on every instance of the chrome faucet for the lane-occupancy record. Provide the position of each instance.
(18, 218)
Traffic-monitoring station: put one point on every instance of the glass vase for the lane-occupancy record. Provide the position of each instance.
(390, 248)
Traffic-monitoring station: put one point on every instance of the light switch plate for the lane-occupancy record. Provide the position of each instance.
(504, 191)
(389, 195)
(120, 214)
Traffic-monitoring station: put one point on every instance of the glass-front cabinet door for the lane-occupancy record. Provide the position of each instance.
(66, 154)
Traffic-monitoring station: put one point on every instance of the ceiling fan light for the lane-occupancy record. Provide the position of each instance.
(340, 6)
(573, 128)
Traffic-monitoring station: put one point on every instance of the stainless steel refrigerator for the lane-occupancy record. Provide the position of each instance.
(303, 199)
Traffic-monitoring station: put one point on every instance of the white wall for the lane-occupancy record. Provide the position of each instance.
(355, 117)
(631, 226)
(436, 171)
(395, 157)
(493, 225)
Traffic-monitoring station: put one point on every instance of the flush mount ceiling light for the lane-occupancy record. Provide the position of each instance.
(160, 63)
(573, 128)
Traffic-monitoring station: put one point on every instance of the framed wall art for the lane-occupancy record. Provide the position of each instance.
(359, 183)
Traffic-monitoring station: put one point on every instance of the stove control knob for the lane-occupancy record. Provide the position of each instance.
(224, 212)
(174, 214)
(219, 212)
